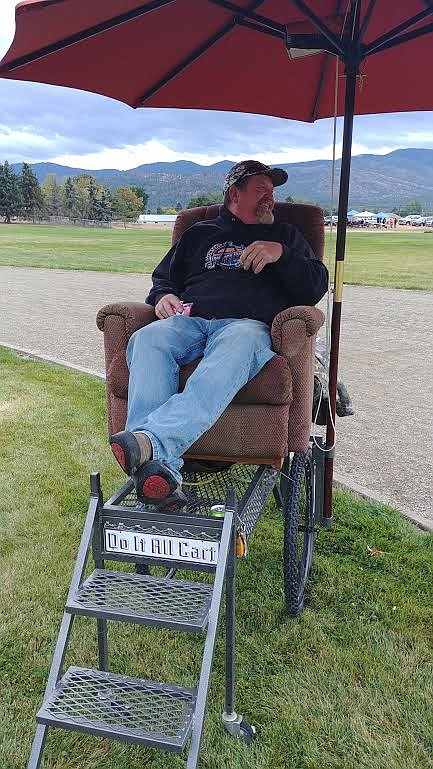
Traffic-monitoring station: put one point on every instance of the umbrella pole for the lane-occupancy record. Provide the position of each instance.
(349, 108)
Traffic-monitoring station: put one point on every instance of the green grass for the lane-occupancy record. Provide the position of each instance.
(395, 259)
(78, 248)
(348, 686)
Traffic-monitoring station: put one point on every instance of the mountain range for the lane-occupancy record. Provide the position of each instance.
(377, 181)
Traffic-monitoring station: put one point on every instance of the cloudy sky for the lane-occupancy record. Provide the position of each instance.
(40, 123)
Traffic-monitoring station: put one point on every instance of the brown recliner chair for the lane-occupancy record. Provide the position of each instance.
(271, 415)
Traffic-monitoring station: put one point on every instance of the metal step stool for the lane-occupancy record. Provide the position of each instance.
(150, 713)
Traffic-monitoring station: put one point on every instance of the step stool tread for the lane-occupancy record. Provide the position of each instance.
(121, 707)
(174, 603)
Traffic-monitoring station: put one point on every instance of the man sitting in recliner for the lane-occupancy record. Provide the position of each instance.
(238, 272)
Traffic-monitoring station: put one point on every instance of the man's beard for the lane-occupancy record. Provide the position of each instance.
(264, 213)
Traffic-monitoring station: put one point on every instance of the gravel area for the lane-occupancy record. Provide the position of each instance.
(383, 451)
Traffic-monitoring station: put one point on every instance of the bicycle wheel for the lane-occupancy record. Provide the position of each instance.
(299, 530)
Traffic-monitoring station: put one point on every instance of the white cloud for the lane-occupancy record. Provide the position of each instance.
(22, 139)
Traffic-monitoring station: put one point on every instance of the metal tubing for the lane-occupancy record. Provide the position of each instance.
(102, 644)
(230, 628)
(60, 652)
(83, 550)
(206, 668)
(349, 109)
(37, 747)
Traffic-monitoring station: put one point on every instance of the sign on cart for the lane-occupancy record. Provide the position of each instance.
(161, 546)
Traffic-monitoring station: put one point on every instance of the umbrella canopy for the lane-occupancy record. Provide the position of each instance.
(353, 213)
(215, 54)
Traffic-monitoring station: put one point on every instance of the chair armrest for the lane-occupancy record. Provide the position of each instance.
(293, 332)
(118, 322)
(133, 315)
(292, 327)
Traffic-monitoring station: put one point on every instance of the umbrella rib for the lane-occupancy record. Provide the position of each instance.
(320, 25)
(84, 35)
(249, 14)
(400, 40)
(393, 33)
(323, 76)
(263, 30)
(196, 54)
(367, 18)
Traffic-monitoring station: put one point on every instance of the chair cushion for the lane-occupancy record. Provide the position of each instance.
(272, 385)
(251, 431)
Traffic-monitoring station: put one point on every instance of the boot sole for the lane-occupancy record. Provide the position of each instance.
(126, 451)
(155, 485)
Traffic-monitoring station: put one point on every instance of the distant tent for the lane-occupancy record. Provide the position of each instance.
(353, 213)
(366, 214)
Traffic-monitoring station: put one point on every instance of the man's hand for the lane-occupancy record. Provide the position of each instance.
(167, 306)
(260, 253)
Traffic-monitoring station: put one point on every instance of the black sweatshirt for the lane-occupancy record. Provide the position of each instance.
(203, 268)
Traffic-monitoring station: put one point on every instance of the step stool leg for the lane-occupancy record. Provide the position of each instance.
(235, 724)
(37, 747)
(230, 632)
(102, 644)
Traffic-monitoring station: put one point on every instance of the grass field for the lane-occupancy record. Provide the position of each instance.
(395, 259)
(348, 686)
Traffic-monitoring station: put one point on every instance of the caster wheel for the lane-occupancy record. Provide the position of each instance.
(247, 732)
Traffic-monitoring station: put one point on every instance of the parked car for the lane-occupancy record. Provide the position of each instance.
(327, 219)
(418, 221)
(429, 221)
(409, 219)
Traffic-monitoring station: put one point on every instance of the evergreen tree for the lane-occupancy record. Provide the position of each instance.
(92, 209)
(10, 193)
(52, 193)
(31, 193)
(103, 211)
(70, 202)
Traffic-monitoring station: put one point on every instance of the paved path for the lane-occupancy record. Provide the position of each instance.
(384, 451)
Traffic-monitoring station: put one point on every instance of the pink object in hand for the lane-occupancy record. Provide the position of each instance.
(186, 309)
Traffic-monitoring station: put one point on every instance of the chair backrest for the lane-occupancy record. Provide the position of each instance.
(308, 219)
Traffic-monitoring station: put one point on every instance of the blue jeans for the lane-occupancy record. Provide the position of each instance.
(233, 352)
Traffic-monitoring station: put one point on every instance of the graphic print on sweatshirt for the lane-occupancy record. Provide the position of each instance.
(224, 255)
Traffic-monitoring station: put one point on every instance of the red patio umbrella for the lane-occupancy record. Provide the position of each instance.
(241, 56)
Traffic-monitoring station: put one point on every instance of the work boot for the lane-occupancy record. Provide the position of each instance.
(156, 485)
(131, 450)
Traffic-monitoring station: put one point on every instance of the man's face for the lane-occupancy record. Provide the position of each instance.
(254, 202)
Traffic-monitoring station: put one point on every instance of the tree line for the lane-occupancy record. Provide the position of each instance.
(78, 197)
(84, 198)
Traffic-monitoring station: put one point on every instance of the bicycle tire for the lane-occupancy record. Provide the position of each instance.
(299, 531)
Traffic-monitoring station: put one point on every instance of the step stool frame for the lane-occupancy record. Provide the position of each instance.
(240, 519)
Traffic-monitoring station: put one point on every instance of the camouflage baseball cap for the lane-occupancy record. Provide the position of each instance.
(246, 168)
